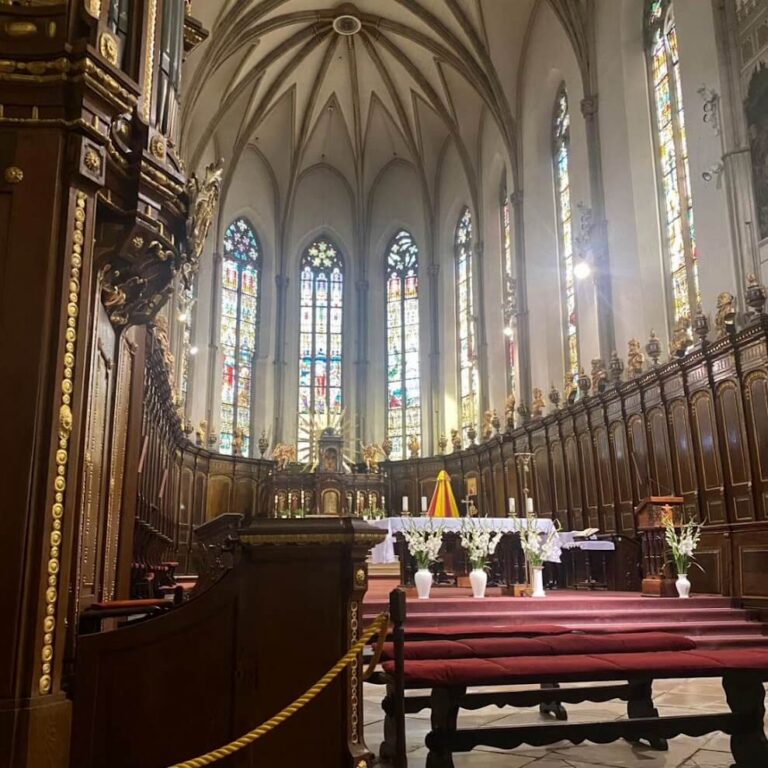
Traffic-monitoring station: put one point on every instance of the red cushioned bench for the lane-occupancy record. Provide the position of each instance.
(449, 667)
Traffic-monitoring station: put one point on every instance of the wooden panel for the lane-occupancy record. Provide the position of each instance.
(558, 483)
(117, 466)
(708, 456)
(684, 465)
(219, 492)
(738, 475)
(605, 480)
(543, 497)
(573, 473)
(590, 486)
(661, 481)
(638, 456)
(756, 403)
(622, 473)
(96, 461)
(500, 497)
(751, 555)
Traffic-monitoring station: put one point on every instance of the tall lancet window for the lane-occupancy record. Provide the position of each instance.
(562, 150)
(320, 329)
(240, 293)
(404, 384)
(509, 286)
(469, 386)
(672, 154)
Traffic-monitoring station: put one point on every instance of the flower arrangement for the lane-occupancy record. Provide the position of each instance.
(683, 544)
(479, 542)
(538, 547)
(424, 543)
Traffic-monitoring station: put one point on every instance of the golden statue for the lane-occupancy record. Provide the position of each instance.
(487, 425)
(203, 198)
(599, 375)
(725, 318)
(538, 405)
(238, 438)
(370, 456)
(569, 389)
(509, 408)
(635, 359)
(414, 446)
(201, 434)
(681, 339)
(284, 454)
(456, 439)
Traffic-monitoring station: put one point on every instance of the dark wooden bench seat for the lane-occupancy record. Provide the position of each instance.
(629, 663)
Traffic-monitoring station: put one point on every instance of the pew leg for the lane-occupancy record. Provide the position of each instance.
(554, 708)
(745, 694)
(640, 704)
(388, 747)
(445, 715)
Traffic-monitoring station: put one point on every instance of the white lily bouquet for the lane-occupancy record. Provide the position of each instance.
(683, 544)
(539, 547)
(424, 543)
(479, 542)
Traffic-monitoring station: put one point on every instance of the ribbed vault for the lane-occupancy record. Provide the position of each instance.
(354, 87)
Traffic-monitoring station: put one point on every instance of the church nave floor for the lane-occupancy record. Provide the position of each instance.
(672, 697)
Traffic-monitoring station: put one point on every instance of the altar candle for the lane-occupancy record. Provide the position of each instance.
(424, 504)
(405, 503)
(529, 506)
(511, 505)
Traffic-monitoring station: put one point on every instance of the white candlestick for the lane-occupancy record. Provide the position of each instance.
(529, 506)
(405, 503)
(511, 506)
(424, 505)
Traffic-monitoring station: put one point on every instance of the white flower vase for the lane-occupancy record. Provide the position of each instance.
(423, 579)
(538, 581)
(683, 586)
(478, 578)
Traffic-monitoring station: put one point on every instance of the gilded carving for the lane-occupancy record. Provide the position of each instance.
(725, 319)
(93, 8)
(13, 174)
(360, 577)
(108, 47)
(64, 430)
(92, 160)
(149, 60)
(203, 198)
(157, 146)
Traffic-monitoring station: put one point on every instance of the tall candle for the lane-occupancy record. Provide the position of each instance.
(405, 503)
(511, 506)
(424, 505)
(529, 506)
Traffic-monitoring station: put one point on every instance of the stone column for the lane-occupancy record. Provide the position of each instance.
(214, 365)
(361, 363)
(434, 403)
(521, 315)
(599, 234)
(481, 337)
(281, 290)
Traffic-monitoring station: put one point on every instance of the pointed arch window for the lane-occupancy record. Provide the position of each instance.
(469, 386)
(240, 295)
(320, 342)
(509, 286)
(403, 380)
(673, 173)
(561, 131)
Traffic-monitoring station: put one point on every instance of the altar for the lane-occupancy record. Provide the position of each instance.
(512, 563)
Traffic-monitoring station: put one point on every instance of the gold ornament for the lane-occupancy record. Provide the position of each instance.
(13, 175)
(108, 47)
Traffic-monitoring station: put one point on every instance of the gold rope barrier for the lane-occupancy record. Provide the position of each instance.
(378, 626)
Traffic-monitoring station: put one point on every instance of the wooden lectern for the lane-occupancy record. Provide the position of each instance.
(658, 579)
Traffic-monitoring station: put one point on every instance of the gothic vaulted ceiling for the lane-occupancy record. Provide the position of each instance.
(352, 86)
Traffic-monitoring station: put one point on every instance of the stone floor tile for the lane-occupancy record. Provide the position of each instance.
(705, 758)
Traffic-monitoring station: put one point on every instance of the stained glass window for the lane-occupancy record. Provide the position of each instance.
(320, 392)
(469, 385)
(403, 381)
(240, 293)
(561, 156)
(510, 287)
(672, 155)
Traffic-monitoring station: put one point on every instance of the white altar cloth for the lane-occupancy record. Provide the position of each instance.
(385, 552)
